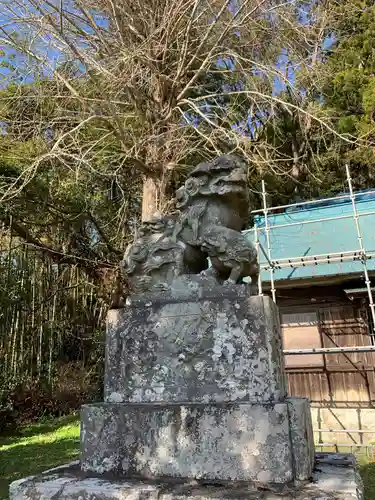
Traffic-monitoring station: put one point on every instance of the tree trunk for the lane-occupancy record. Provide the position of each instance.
(150, 198)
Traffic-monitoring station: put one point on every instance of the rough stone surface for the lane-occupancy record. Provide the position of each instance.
(302, 437)
(245, 442)
(203, 349)
(241, 442)
(189, 288)
(335, 478)
(195, 391)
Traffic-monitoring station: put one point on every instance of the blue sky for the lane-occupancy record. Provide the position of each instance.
(48, 51)
(46, 47)
(53, 56)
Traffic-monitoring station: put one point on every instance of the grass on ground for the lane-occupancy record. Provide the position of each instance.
(44, 445)
(36, 448)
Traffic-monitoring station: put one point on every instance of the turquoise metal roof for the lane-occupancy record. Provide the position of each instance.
(319, 237)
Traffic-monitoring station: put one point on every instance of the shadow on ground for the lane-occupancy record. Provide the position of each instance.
(40, 428)
(35, 451)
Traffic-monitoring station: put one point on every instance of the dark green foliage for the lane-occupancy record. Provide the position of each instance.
(51, 335)
(80, 210)
(348, 85)
(368, 475)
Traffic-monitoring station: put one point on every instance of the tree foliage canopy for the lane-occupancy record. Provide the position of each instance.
(104, 106)
(147, 89)
(346, 85)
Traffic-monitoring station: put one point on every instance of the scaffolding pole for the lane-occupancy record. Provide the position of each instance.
(329, 350)
(311, 202)
(257, 246)
(314, 221)
(311, 260)
(362, 248)
(264, 195)
(344, 445)
(309, 257)
(315, 260)
(346, 431)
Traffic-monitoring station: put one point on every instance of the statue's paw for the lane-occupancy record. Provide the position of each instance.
(161, 287)
(229, 282)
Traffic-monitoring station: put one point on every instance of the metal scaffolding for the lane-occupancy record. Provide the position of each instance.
(330, 350)
(359, 254)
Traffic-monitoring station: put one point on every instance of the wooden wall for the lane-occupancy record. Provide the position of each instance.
(346, 380)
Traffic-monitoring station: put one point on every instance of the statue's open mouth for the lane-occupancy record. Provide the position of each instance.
(231, 184)
(228, 181)
(235, 177)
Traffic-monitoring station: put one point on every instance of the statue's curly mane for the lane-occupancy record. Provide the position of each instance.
(201, 183)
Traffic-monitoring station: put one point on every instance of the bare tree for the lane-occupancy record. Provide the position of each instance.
(169, 82)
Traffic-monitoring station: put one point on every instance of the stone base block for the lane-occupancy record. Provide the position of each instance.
(209, 344)
(336, 477)
(263, 443)
(302, 436)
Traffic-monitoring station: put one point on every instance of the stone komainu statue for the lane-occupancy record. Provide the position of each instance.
(213, 208)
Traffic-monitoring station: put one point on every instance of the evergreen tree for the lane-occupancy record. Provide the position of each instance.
(347, 87)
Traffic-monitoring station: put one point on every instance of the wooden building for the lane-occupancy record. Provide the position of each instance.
(320, 259)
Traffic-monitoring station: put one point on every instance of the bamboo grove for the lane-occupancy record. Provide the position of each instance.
(51, 321)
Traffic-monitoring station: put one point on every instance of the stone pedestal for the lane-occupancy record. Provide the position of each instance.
(195, 388)
(214, 344)
(335, 478)
(262, 443)
(194, 391)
